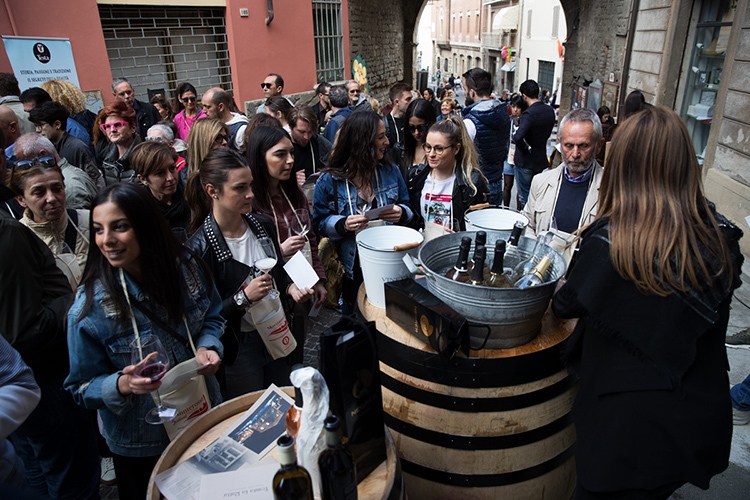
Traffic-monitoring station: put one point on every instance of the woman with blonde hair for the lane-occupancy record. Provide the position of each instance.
(205, 135)
(651, 285)
(443, 189)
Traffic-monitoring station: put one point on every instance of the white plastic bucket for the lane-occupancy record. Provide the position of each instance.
(494, 219)
(380, 260)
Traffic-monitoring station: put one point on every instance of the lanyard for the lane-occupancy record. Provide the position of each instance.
(286, 220)
(349, 195)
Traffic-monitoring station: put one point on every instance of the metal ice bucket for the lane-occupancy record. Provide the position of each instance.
(505, 317)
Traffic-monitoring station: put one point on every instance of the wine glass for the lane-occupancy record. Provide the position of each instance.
(301, 222)
(140, 348)
(363, 206)
(265, 259)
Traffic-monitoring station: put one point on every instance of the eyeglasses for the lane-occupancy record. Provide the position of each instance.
(439, 150)
(265, 85)
(221, 138)
(355, 91)
(421, 128)
(157, 138)
(115, 125)
(45, 161)
(191, 98)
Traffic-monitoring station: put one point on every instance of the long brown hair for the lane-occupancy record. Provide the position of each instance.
(353, 154)
(659, 219)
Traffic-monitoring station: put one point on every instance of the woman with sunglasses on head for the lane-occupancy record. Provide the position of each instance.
(420, 116)
(206, 135)
(187, 108)
(359, 176)
(137, 274)
(118, 122)
(155, 165)
(226, 236)
(443, 190)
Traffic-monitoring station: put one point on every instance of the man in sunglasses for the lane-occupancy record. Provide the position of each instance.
(356, 97)
(50, 119)
(57, 442)
(272, 86)
(488, 122)
(146, 114)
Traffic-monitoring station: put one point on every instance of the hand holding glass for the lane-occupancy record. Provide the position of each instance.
(265, 259)
(140, 349)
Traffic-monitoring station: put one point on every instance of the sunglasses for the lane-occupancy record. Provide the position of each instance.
(157, 138)
(45, 161)
(192, 98)
(221, 138)
(354, 91)
(421, 128)
(265, 85)
(115, 125)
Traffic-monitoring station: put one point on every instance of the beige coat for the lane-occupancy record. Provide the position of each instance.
(540, 206)
(54, 232)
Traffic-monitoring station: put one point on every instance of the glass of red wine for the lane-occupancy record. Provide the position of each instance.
(155, 368)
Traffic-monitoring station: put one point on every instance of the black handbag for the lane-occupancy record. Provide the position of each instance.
(349, 364)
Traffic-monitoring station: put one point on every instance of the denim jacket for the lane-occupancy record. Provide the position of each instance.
(99, 350)
(329, 207)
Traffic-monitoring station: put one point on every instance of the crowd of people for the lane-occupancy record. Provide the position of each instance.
(147, 219)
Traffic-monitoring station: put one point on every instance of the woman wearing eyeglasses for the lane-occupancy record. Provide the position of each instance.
(453, 182)
(118, 122)
(420, 116)
(359, 176)
(187, 108)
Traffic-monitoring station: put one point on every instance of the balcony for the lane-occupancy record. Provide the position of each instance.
(492, 41)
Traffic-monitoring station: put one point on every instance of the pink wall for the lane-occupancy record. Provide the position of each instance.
(284, 47)
(74, 19)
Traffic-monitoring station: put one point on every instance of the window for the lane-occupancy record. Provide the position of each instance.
(555, 21)
(528, 24)
(329, 40)
(546, 76)
(155, 48)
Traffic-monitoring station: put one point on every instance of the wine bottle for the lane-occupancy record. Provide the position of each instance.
(291, 481)
(477, 273)
(537, 274)
(540, 249)
(338, 473)
(481, 239)
(497, 278)
(460, 271)
(294, 414)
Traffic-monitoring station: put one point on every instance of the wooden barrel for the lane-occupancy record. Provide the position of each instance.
(384, 483)
(495, 425)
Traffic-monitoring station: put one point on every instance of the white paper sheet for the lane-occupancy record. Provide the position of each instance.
(375, 212)
(252, 483)
(301, 272)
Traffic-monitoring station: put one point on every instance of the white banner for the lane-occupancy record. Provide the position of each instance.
(36, 60)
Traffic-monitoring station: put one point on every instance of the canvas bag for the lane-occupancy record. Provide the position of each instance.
(187, 395)
(272, 325)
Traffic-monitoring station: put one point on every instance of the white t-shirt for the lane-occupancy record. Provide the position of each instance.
(436, 199)
(242, 251)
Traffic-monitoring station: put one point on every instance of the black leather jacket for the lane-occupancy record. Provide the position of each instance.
(228, 273)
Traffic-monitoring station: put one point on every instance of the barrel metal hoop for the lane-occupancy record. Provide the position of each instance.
(477, 442)
(485, 480)
(470, 372)
(475, 405)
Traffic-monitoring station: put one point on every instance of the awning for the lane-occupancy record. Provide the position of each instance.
(506, 19)
(508, 67)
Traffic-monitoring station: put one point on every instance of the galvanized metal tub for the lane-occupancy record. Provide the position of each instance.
(504, 317)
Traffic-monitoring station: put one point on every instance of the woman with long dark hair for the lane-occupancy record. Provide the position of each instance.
(359, 176)
(651, 285)
(420, 116)
(279, 107)
(136, 270)
(226, 236)
(187, 109)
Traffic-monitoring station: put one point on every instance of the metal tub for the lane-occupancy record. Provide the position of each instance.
(505, 317)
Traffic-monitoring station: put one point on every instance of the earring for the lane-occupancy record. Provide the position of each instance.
(216, 197)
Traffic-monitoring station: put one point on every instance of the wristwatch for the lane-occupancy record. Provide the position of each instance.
(241, 299)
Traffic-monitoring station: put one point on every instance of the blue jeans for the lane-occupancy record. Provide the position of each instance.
(740, 394)
(496, 192)
(57, 444)
(523, 184)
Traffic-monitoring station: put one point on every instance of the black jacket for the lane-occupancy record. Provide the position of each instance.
(462, 197)
(653, 406)
(534, 128)
(229, 274)
(146, 116)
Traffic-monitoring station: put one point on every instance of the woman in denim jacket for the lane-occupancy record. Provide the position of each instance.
(135, 249)
(358, 175)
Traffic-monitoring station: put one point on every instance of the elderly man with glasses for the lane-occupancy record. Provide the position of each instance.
(146, 114)
(357, 98)
(164, 134)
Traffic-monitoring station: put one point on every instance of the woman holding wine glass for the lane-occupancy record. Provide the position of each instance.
(359, 176)
(270, 155)
(134, 272)
(230, 241)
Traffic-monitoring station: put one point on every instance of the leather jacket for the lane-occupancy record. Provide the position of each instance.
(229, 274)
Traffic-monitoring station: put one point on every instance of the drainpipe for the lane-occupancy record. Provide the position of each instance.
(634, 8)
(10, 18)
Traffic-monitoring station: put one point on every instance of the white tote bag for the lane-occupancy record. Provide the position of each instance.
(273, 327)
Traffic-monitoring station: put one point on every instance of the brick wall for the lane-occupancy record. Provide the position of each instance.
(159, 47)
